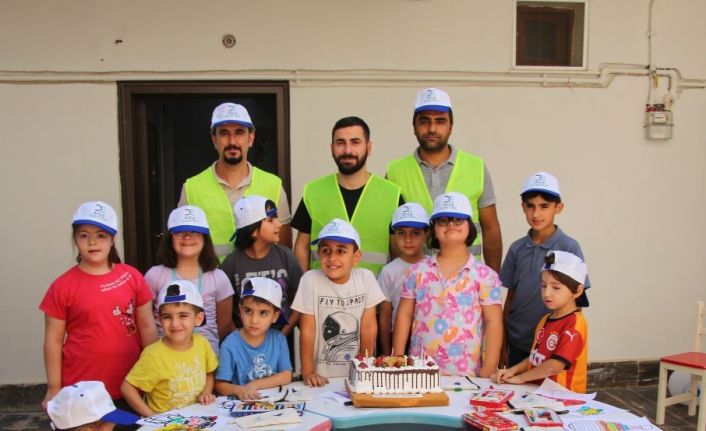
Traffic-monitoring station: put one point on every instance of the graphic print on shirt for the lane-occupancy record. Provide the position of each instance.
(259, 369)
(127, 317)
(340, 332)
(187, 383)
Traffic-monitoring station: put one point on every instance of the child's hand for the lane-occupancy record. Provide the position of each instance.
(314, 380)
(502, 376)
(51, 393)
(206, 398)
(247, 392)
(515, 380)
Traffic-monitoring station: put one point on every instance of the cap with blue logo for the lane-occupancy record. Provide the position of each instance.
(432, 99)
(451, 204)
(97, 213)
(230, 113)
(338, 230)
(187, 218)
(410, 214)
(542, 182)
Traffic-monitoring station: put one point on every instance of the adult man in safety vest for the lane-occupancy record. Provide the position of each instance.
(437, 167)
(231, 177)
(353, 194)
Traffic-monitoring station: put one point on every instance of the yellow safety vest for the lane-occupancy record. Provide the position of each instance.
(466, 178)
(204, 191)
(371, 217)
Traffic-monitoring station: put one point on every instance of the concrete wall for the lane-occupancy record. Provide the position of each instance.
(635, 205)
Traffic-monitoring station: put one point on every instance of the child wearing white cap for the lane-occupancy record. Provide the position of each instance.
(186, 253)
(177, 370)
(255, 356)
(258, 253)
(98, 314)
(337, 306)
(560, 347)
(541, 203)
(410, 230)
(86, 406)
(451, 301)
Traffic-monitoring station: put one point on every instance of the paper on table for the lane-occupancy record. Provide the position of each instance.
(523, 400)
(293, 392)
(592, 410)
(336, 396)
(550, 388)
(278, 417)
(623, 423)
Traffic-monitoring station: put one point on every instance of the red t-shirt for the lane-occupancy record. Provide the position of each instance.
(102, 342)
(566, 340)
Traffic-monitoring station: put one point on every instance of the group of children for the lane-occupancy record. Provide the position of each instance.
(448, 305)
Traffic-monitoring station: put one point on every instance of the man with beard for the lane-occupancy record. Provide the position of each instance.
(437, 167)
(231, 177)
(352, 194)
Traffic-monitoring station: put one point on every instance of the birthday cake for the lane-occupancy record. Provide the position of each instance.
(394, 375)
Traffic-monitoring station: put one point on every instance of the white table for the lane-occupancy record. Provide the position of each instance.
(324, 412)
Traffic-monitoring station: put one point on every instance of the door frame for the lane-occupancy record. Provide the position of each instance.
(134, 178)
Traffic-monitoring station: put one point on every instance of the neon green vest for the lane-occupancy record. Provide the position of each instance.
(466, 178)
(371, 217)
(204, 191)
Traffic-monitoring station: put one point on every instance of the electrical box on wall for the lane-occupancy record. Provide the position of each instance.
(658, 123)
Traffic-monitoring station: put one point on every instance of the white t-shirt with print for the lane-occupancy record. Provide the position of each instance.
(337, 309)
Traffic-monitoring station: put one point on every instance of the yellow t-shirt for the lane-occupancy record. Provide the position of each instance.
(172, 379)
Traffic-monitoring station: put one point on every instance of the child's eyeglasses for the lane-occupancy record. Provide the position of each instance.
(445, 221)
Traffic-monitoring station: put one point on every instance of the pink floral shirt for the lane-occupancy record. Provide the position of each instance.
(448, 318)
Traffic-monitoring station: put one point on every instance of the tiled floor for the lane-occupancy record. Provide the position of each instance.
(640, 400)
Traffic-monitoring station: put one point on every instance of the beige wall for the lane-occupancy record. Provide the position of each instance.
(636, 206)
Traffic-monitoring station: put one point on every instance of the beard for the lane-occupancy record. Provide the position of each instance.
(350, 169)
(432, 147)
(232, 160)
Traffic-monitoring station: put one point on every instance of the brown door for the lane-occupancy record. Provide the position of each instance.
(165, 139)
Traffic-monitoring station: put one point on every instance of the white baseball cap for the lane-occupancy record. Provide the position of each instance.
(451, 204)
(187, 218)
(572, 266)
(83, 403)
(266, 288)
(338, 230)
(410, 214)
(542, 182)
(250, 210)
(432, 99)
(176, 291)
(97, 213)
(230, 113)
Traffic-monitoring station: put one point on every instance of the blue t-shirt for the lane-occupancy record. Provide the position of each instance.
(239, 362)
(521, 271)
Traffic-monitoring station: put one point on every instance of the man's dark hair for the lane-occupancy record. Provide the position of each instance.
(351, 122)
(213, 129)
(451, 116)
